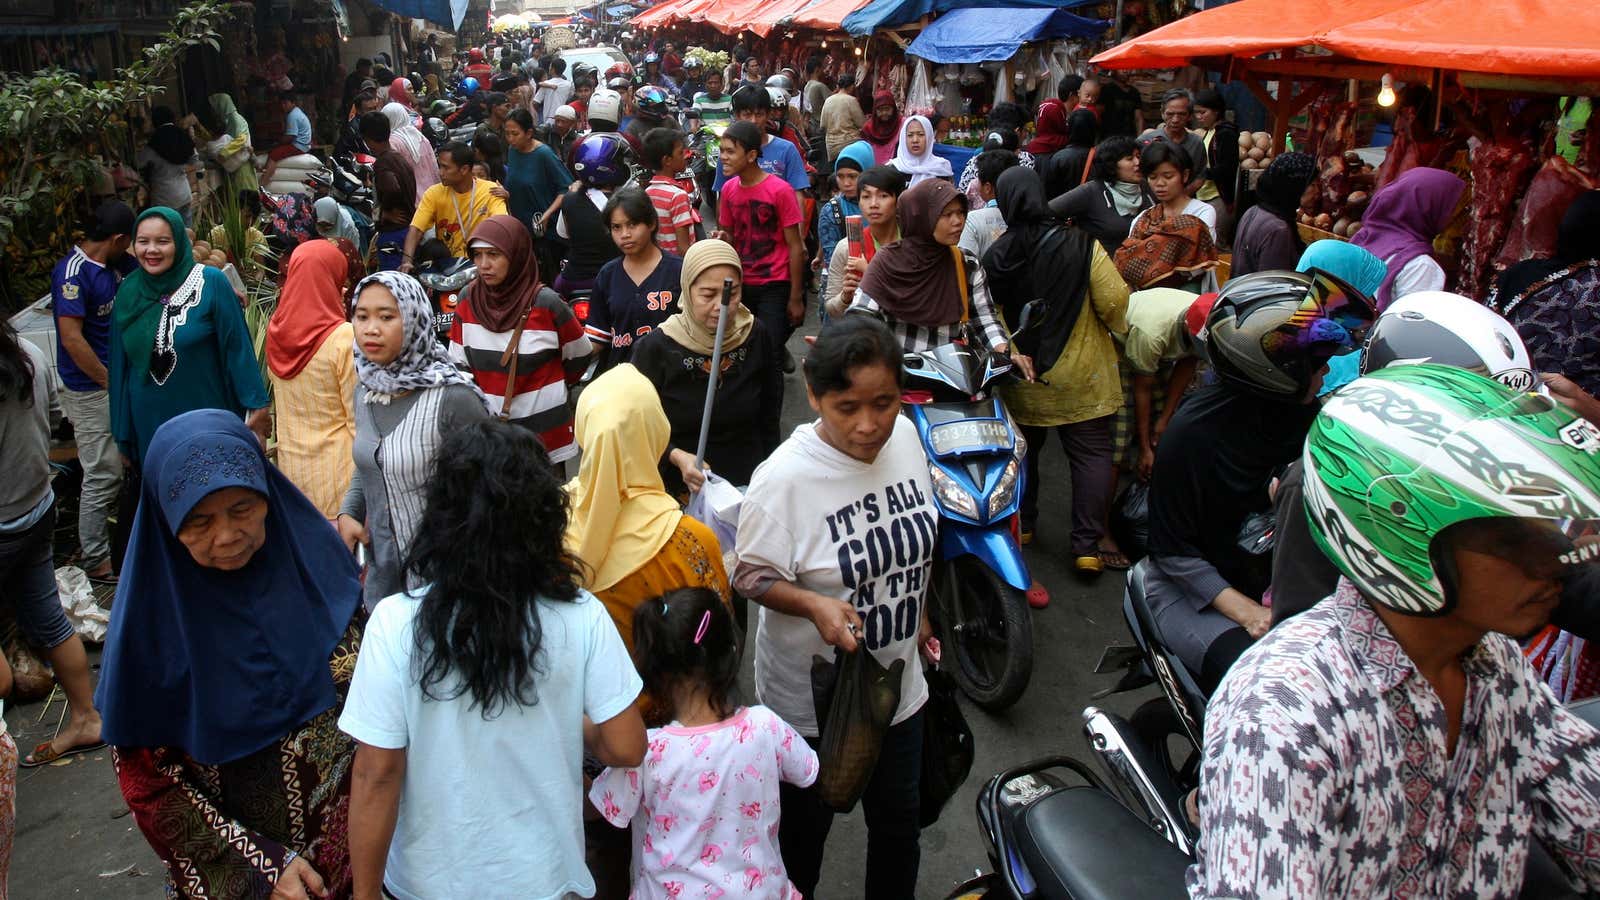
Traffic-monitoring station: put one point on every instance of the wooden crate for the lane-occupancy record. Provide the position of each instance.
(1311, 234)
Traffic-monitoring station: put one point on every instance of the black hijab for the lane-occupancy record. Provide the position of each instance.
(170, 142)
(1038, 258)
(1278, 192)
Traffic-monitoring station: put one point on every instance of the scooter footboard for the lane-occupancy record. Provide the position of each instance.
(994, 547)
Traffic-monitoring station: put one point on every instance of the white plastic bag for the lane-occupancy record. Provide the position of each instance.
(716, 505)
(920, 99)
(88, 618)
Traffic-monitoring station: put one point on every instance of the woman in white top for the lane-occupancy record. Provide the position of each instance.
(810, 530)
(1168, 171)
(1399, 227)
(914, 155)
(475, 696)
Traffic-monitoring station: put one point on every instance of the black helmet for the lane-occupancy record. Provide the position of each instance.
(1272, 332)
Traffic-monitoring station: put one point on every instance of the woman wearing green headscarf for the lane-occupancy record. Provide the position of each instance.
(178, 340)
(227, 118)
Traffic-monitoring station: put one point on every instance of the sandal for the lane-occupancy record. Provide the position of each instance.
(1114, 559)
(1089, 565)
(43, 755)
(1038, 596)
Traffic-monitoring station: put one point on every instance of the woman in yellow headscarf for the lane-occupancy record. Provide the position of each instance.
(634, 541)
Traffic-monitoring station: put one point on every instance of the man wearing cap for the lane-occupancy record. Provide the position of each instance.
(83, 287)
(562, 131)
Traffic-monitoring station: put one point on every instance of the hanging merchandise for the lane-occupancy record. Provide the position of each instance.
(920, 99)
(1002, 86)
(971, 75)
(1058, 70)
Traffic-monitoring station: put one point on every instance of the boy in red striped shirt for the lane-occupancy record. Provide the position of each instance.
(663, 153)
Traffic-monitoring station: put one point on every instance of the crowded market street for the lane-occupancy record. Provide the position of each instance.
(799, 450)
(77, 819)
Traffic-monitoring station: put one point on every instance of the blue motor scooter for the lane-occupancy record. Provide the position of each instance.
(975, 453)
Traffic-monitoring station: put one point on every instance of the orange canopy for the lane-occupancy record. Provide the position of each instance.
(1505, 37)
(1245, 28)
(663, 14)
(734, 16)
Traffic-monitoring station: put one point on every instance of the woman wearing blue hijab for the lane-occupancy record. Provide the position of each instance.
(232, 643)
(1301, 575)
(853, 160)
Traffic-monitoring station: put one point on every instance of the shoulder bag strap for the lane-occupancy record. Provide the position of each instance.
(961, 281)
(1088, 165)
(509, 359)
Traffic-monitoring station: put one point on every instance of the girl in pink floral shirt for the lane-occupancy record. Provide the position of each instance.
(704, 804)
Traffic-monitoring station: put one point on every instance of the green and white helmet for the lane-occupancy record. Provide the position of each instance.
(1398, 456)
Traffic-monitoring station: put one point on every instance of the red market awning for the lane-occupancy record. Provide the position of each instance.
(1543, 38)
(776, 14)
(663, 14)
(827, 15)
(742, 15)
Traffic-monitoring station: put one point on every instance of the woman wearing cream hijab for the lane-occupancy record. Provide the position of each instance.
(634, 543)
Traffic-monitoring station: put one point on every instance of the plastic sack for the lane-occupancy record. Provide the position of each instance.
(947, 745)
(855, 698)
(88, 618)
(1130, 519)
(716, 505)
(920, 98)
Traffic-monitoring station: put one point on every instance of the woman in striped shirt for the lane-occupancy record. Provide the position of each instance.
(519, 339)
(928, 290)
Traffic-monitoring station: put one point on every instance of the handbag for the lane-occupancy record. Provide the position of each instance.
(856, 698)
(947, 745)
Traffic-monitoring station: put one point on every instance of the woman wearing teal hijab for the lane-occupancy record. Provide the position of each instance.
(1361, 270)
(178, 340)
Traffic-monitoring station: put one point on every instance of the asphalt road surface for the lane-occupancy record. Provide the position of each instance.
(75, 837)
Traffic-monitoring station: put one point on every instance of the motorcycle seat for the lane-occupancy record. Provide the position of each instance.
(1080, 843)
(1587, 710)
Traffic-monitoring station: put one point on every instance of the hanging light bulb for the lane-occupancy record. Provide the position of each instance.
(1386, 94)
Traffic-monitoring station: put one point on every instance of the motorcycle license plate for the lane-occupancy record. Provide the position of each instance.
(969, 436)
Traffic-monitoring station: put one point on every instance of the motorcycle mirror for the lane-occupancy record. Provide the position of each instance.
(913, 361)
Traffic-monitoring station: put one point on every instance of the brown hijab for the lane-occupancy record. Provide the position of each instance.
(503, 307)
(915, 279)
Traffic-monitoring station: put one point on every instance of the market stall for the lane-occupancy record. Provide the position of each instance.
(1375, 88)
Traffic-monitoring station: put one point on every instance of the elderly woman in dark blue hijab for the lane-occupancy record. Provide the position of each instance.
(233, 640)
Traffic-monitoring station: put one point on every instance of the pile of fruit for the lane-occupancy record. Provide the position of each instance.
(1338, 198)
(1255, 150)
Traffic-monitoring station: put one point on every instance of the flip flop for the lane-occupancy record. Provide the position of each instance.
(1114, 559)
(42, 755)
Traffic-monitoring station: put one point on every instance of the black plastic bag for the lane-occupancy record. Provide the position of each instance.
(1258, 535)
(947, 745)
(856, 698)
(1130, 519)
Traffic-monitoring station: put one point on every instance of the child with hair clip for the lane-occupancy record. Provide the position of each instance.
(704, 803)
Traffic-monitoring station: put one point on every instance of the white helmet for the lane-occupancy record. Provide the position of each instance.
(1449, 329)
(605, 105)
(780, 98)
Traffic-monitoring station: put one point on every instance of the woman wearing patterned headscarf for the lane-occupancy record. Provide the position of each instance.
(409, 396)
(1268, 236)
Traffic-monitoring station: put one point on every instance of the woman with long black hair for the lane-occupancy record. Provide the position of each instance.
(476, 684)
(1113, 196)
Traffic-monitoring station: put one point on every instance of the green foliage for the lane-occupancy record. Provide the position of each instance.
(57, 134)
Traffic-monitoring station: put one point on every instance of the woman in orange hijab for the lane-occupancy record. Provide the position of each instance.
(312, 364)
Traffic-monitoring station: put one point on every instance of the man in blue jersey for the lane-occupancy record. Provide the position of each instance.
(83, 287)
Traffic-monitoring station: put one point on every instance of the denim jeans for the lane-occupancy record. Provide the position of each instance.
(90, 412)
(892, 804)
(27, 569)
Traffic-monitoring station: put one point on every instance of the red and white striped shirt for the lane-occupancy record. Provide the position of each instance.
(673, 210)
(552, 354)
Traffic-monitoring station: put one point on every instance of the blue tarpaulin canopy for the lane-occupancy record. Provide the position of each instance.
(439, 12)
(982, 33)
(889, 13)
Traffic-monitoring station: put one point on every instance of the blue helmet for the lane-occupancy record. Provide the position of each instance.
(601, 160)
(651, 102)
(469, 85)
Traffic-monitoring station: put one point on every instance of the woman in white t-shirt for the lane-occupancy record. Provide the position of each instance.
(1167, 172)
(469, 693)
(836, 540)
